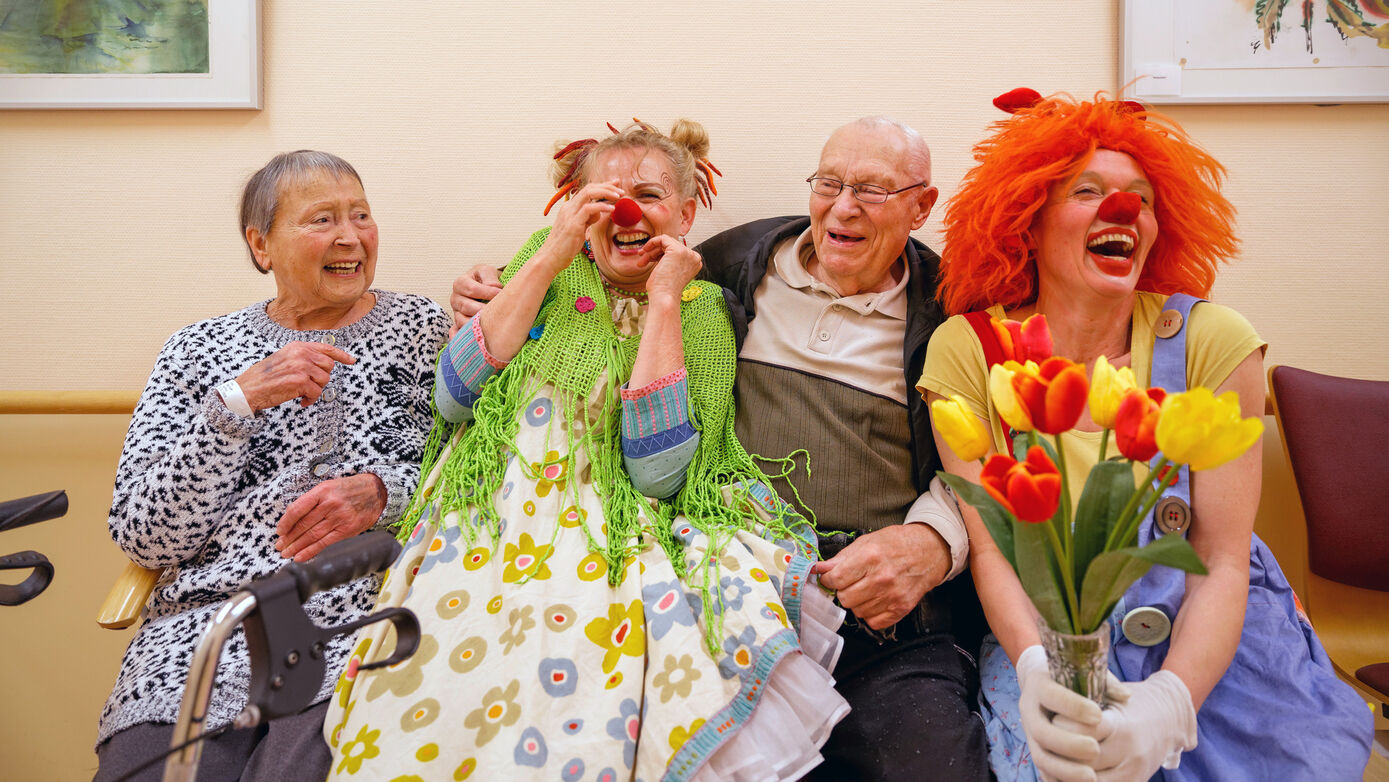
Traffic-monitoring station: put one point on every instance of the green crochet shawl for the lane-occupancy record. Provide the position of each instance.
(577, 341)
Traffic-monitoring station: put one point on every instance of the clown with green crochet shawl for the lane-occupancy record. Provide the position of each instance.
(606, 586)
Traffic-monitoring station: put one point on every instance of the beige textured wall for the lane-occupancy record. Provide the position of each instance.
(118, 227)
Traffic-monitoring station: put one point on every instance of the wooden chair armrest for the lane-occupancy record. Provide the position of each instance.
(128, 595)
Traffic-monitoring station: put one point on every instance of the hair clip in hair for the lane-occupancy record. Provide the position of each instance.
(568, 183)
(1017, 99)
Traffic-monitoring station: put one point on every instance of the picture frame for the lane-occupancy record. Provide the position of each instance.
(1219, 51)
(233, 80)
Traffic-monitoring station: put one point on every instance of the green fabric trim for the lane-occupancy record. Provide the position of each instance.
(571, 354)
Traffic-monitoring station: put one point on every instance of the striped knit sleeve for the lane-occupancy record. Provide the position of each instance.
(658, 440)
(464, 366)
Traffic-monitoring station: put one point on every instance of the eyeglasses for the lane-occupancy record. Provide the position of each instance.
(869, 194)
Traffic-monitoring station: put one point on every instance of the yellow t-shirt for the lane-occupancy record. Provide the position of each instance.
(1218, 339)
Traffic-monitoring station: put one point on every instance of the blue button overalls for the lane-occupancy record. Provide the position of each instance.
(1278, 713)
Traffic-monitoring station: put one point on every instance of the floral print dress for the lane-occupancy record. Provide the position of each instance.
(531, 665)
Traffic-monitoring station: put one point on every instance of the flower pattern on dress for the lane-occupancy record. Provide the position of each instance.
(467, 655)
(776, 611)
(625, 727)
(572, 771)
(593, 567)
(572, 727)
(406, 676)
(665, 607)
(344, 689)
(620, 633)
(553, 473)
(519, 621)
(732, 589)
(476, 558)
(538, 411)
(559, 617)
(443, 548)
(584, 304)
(677, 678)
(558, 676)
(499, 709)
(685, 531)
(361, 748)
(681, 734)
(531, 750)
(524, 559)
(739, 649)
(452, 604)
(419, 715)
(465, 769)
(572, 516)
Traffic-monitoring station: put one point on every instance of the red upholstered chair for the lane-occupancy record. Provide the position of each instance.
(1336, 434)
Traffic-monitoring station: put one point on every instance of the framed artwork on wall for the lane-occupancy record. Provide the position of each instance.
(130, 54)
(1255, 51)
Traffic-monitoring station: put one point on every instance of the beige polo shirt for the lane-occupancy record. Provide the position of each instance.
(805, 324)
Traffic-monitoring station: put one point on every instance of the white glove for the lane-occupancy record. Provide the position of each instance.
(1060, 753)
(1153, 728)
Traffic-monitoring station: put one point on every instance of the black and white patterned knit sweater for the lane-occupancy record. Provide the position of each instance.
(200, 490)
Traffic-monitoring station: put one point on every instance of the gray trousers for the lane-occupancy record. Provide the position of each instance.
(289, 749)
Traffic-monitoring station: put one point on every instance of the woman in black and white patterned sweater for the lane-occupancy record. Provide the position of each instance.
(265, 435)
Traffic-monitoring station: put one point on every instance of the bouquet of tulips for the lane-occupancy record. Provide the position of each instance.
(1076, 560)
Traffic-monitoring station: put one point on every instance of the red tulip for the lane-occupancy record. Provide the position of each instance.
(1022, 342)
(1053, 394)
(1135, 423)
(1030, 490)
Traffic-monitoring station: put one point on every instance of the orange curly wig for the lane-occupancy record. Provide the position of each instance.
(988, 223)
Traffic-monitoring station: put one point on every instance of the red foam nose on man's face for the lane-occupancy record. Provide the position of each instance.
(627, 213)
(1120, 208)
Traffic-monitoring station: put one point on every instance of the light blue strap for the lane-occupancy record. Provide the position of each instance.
(1169, 374)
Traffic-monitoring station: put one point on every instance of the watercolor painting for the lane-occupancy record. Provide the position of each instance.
(116, 37)
(1349, 19)
(130, 54)
(1256, 51)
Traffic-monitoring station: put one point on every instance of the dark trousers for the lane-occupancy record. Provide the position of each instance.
(288, 749)
(911, 691)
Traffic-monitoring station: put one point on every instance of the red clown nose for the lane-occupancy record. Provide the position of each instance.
(626, 212)
(1119, 208)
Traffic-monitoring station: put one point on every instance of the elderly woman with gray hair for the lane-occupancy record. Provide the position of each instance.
(263, 436)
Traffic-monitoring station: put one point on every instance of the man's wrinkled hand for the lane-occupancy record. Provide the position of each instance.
(882, 575)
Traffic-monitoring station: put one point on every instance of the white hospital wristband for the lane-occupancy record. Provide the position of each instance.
(235, 400)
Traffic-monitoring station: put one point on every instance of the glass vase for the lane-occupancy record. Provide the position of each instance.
(1078, 662)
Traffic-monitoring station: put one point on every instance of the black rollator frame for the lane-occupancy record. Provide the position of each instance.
(286, 647)
(18, 513)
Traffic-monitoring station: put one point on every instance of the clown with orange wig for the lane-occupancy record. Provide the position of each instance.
(1105, 217)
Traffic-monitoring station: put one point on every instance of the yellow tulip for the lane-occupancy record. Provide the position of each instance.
(1107, 388)
(961, 428)
(1202, 431)
(1009, 405)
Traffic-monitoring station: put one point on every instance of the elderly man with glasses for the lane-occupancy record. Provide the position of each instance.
(833, 312)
